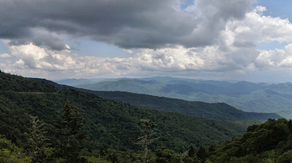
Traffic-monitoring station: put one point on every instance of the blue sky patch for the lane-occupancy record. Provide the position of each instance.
(271, 45)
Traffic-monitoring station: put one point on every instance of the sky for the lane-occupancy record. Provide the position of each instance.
(247, 40)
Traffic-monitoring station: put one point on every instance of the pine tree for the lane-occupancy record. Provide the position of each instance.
(37, 141)
(191, 152)
(69, 128)
(147, 130)
(202, 154)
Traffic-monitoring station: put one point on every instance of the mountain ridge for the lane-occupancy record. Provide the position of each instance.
(246, 96)
(107, 123)
(220, 111)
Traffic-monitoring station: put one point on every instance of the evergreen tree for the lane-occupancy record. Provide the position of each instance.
(191, 152)
(147, 130)
(37, 141)
(202, 154)
(69, 128)
(182, 155)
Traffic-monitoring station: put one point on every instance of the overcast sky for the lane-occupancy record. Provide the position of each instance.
(202, 39)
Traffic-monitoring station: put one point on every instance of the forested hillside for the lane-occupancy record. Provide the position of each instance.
(218, 111)
(112, 128)
(107, 124)
(246, 96)
(268, 142)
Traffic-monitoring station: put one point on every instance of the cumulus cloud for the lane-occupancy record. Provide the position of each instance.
(34, 59)
(208, 36)
(125, 23)
(257, 28)
(235, 49)
(31, 56)
(275, 58)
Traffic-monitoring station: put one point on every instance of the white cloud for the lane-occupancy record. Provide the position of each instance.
(5, 55)
(40, 60)
(33, 57)
(233, 49)
(167, 59)
(258, 28)
(276, 58)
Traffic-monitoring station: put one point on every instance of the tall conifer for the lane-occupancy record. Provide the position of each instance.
(69, 128)
(37, 141)
(147, 130)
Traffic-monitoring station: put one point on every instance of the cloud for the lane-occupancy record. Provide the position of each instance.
(40, 60)
(125, 23)
(31, 56)
(5, 55)
(256, 28)
(235, 49)
(281, 58)
(210, 36)
(168, 60)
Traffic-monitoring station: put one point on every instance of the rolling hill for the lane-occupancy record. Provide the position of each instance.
(220, 111)
(246, 96)
(107, 123)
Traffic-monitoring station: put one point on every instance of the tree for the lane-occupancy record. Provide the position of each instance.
(202, 154)
(147, 130)
(69, 128)
(37, 141)
(9, 152)
(191, 152)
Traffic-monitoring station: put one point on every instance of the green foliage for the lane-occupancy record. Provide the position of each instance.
(167, 156)
(246, 96)
(201, 154)
(268, 142)
(147, 130)
(286, 157)
(37, 141)
(218, 111)
(9, 153)
(21, 84)
(191, 152)
(108, 124)
(111, 128)
(69, 127)
(93, 159)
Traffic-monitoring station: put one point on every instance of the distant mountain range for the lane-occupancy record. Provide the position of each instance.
(246, 96)
(73, 82)
(219, 111)
(108, 123)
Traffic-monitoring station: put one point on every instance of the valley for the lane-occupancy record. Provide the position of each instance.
(246, 96)
(110, 119)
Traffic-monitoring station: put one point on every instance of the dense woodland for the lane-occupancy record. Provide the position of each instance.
(103, 130)
(220, 111)
(246, 96)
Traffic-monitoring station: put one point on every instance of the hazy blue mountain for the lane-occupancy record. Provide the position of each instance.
(285, 113)
(179, 89)
(73, 82)
(246, 96)
(220, 111)
(127, 85)
(221, 88)
(174, 85)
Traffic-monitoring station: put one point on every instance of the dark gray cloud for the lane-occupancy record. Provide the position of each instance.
(125, 23)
